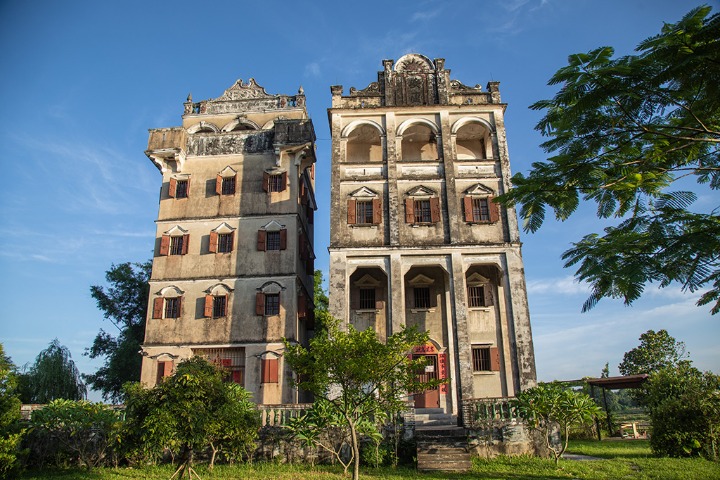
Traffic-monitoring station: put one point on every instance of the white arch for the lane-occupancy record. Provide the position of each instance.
(230, 126)
(414, 121)
(461, 122)
(354, 124)
(202, 126)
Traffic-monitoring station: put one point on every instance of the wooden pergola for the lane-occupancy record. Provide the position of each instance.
(614, 383)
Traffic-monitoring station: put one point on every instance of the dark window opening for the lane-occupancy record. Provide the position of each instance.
(219, 306)
(476, 296)
(176, 245)
(272, 240)
(181, 189)
(364, 212)
(422, 211)
(228, 185)
(367, 298)
(272, 304)
(275, 183)
(225, 242)
(172, 307)
(481, 359)
(422, 297)
(480, 210)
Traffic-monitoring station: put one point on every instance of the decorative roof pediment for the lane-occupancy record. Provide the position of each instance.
(421, 191)
(477, 279)
(240, 123)
(457, 85)
(241, 91)
(363, 192)
(228, 172)
(271, 287)
(421, 280)
(367, 281)
(272, 226)
(170, 292)
(223, 228)
(479, 189)
(219, 289)
(203, 126)
(414, 62)
(176, 231)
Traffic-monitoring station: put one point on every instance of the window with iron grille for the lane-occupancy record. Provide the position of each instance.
(225, 242)
(275, 183)
(272, 241)
(219, 306)
(481, 359)
(480, 210)
(231, 359)
(422, 211)
(364, 212)
(228, 185)
(272, 304)
(422, 297)
(176, 245)
(476, 296)
(367, 298)
(172, 307)
(181, 189)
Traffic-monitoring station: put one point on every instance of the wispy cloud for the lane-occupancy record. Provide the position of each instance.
(564, 286)
(425, 15)
(312, 70)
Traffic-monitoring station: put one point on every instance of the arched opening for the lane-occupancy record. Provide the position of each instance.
(419, 142)
(364, 144)
(472, 141)
(368, 300)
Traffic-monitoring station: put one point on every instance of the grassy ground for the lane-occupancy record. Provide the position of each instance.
(618, 460)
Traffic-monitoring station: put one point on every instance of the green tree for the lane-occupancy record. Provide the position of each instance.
(359, 377)
(321, 299)
(550, 404)
(10, 430)
(657, 350)
(622, 132)
(54, 376)
(124, 303)
(188, 412)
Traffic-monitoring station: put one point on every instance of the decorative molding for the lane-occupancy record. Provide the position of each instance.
(242, 91)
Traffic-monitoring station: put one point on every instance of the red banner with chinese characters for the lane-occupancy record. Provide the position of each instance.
(442, 374)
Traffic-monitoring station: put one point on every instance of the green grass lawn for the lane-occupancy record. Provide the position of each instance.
(618, 460)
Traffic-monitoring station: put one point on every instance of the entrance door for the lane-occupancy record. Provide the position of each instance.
(428, 398)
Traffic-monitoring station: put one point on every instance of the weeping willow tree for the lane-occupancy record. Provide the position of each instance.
(53, 376)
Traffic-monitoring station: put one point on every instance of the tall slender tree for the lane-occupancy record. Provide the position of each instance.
(54, 376)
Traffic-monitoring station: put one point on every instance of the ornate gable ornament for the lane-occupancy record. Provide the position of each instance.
(479, 189)
(242, 91)
(414, 62)
(363, 192)
(421, 191)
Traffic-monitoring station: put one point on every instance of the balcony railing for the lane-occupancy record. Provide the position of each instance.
(480, 412)
(278, 415)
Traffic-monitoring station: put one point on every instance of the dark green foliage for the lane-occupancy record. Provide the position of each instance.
(124, 303)
(54, 376)
(10, 429)
(320, 296)
(657, 350)
(622, 132)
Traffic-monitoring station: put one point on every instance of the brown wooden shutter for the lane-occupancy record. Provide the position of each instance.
(434, 209)
(283, 181)
(266, 181)
(235, 185)
(409, 210)
(494, 359)
(259, 303)
(172, 188)
(468, 209)
(377, 211)
(283, 239)
(269, 370)
(213, 246)
(302, 306)
(261, 240)
(208, 306)
(186, 242)
(351, 213)
(494, 209)
(168, 369)
(158, 307)
(165, 245)
(218, 184)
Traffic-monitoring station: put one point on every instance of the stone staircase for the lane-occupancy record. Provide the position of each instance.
(441, 444)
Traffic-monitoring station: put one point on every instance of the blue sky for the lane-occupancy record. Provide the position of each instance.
(83, 81)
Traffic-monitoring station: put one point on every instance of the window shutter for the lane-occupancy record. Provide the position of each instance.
(409, 210)
(232, 241)
(157, 307)
(213, 247)
(234, 189)
(261, 240)
(226, 362)
(259, 303)
(168, 368)
(186, 242)
(435, 209)
(377, 211)
(351, 213)
(283, 239)
(187, 187)
(237, 376)
(164, 244)
(269, 370)
(468, 209)
(494, 210)
(266, 181)
(180, 307)
(173, 188)
(208, 306)
(494, 359)
(218, 184)
(487, 290)
(302, 306)
(283, 181)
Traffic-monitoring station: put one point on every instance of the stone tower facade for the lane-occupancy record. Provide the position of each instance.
(416, 238)
(232, 271)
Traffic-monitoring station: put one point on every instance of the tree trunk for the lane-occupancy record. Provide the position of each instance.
(356, 450)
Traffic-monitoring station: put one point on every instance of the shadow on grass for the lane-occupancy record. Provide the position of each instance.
(612, 449)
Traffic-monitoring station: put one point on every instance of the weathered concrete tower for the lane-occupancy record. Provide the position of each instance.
(233, 265)
(416, 238)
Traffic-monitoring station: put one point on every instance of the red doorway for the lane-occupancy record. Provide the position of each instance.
(428, 398)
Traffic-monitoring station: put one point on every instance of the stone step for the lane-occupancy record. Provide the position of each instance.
(446, 459)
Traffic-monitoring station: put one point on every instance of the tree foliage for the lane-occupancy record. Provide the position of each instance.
(10, 431)
(320, 297)
(550, 404)
(54, 376)
(657, 350)
(361, 378)
(622, 133)
(124, 303)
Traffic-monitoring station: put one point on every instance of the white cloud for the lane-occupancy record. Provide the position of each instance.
(562, 286)
(425, 16)
(312, 69)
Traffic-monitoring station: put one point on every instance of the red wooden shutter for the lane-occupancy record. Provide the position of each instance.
(283, 239)
(173, 188)
(468, 209)
(218, 184)
(237, 376)
(208, 306)
(259, 303)
(168, 368)
(377, 211)
(283, 181)
(164, 244)
(494, 210)
(494, 359)
(351, 213)
(302, 306)
(261, 240)
(266, 181)
(226, 362)
(158, 307)
(434, 209)
(186, 242)
(270, 370)
(409, 210)
(213, 247)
